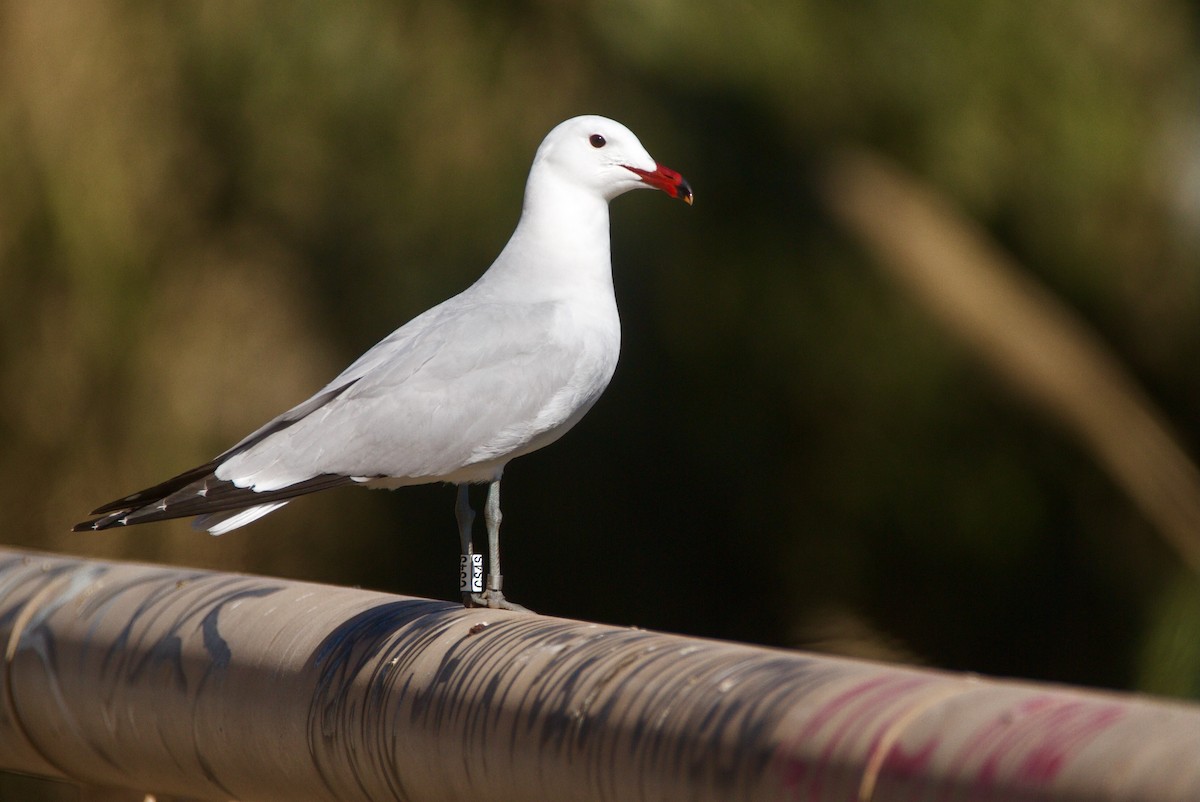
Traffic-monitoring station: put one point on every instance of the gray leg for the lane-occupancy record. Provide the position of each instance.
(466, 520)
(465, 517)
(492, 517)
(494, 597)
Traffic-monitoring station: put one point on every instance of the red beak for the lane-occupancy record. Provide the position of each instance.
(667, 180)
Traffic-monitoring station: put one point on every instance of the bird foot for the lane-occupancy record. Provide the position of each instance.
(494, 600)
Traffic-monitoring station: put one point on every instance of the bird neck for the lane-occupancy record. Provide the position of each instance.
(560, 245)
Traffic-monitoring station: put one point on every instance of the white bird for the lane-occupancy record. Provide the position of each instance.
(501, 369)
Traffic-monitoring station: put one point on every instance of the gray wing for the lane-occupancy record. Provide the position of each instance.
(459, 385)
(470, 384)
(420, 402)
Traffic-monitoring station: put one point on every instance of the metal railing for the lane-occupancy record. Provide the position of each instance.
(223, 686)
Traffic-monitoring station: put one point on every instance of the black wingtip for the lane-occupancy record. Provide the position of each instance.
(96, 524)
(218, 496)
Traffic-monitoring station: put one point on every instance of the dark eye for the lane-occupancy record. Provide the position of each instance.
(597, 141)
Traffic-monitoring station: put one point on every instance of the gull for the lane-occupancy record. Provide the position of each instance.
(503, 368)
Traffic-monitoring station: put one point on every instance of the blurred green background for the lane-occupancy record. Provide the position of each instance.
(208, 209)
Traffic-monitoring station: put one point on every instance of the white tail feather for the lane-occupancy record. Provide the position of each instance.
(218, 523)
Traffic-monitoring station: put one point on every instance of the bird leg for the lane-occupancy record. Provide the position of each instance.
(492, 517)
(494, 597)
(465, 516)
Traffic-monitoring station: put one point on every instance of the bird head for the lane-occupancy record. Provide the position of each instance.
(605, 157)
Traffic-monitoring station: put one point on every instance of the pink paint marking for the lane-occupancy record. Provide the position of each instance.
(859, 709)
(1067, 732)
(1034, 742)
(902, 764)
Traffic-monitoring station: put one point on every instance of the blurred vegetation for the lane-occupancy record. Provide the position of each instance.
(207, 209)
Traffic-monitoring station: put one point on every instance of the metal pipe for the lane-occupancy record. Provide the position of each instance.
(223, 686)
